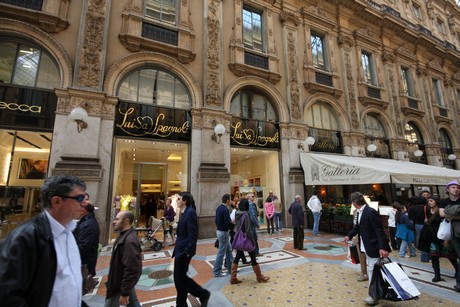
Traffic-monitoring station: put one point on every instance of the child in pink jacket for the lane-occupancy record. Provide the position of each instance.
(269, 214)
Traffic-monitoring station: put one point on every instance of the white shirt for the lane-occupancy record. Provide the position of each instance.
(67, 289)
(391, 218)
(314, 204)
(360, 213)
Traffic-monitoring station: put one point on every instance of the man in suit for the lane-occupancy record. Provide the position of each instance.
(296, 211)
(373, 240)
(187, 237)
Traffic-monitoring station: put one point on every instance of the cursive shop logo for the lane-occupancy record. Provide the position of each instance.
(331, 173)
(248, 136)
(146, 125)
(12, 106)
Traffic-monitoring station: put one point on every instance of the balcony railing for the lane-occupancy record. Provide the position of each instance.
(28, 4)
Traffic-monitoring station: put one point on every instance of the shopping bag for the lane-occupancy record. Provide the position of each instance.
(379, 287)
(445, 230)
(354, 254)
(399, 281)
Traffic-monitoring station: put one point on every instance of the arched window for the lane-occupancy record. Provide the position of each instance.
(446, 148)
(155, 86)
(375, 134)
(415, 139)
(27, 65)
(325, 128)
(321, 116)
(251, 104)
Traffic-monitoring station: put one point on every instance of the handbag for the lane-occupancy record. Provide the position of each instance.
(399, 281)
(88, 280)
(445, 230)
(241, 242)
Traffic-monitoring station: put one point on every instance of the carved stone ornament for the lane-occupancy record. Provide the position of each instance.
(91, 57)
(345, 39)
(213, 90)
(395, 101)
(351, 90)
(293, 79)
(388, 56)
(289, 16)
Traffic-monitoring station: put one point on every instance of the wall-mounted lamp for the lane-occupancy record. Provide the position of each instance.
(451, 157)
(80, 116)
(418, 153)
(309, 141)
(372, 148)
(219, 130)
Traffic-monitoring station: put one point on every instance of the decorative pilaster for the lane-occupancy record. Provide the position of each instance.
(89, 66)
(346, 42)
(213, 88)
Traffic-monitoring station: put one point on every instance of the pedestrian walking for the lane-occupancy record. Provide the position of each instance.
(224, 225)
(314, 204)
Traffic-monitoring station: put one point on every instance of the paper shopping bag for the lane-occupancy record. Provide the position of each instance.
(399, 281)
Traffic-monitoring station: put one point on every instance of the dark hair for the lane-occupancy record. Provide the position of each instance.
(315, 192)
(226, 198)
(59, 185)
(243, 205)
(358, 198)
(188, 199)
(269, 199)
(396, 205)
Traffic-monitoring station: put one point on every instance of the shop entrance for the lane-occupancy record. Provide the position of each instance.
(145, 173)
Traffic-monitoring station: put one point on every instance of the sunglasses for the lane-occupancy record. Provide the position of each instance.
(80, 198)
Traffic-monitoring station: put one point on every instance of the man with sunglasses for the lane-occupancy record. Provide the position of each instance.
(39, 260)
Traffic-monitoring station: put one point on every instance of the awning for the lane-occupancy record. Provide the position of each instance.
(327, 169)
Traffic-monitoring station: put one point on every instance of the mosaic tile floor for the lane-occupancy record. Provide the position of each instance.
(321, 275)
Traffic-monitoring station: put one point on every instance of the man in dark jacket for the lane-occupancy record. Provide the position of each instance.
(373, 240)
(87, 236)
(296, 211)
(39, 260)
(125, 264)
(223, 224)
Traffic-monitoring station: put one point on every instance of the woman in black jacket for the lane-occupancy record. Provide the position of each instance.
(243, 207)
(429, 241)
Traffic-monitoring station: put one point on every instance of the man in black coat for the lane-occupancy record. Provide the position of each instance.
(87, 236)
(125, 264)
(296, 211)
(373, 240)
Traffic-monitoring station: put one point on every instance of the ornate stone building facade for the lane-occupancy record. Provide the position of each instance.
(155, 76)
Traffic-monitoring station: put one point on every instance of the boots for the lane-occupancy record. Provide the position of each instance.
(233, 279)
(260, 277)
(436, 268)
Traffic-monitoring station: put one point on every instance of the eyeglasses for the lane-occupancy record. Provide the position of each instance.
(80, 198)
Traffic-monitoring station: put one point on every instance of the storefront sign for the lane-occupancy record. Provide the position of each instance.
(20, 107)
(254, 133)
(326, 141)
(137, 120)
(27, 107)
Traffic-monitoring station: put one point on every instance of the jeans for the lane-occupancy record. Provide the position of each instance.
(316, 218)
(224, 250)
(279, 221)
(402, 249)
(424, 256)
(270, 224)
(114, 301)
(256, 238)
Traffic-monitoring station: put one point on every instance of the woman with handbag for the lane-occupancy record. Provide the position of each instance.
(406, 232)
(429, 241)
(243, 224)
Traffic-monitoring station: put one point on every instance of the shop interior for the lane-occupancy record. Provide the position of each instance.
(24, 159)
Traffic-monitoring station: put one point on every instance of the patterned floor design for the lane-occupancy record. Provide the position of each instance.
(321, 275)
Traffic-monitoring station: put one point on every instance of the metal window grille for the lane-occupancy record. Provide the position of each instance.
(160, 34)
(323, 79)
(255, 60)
(373, 92)
(29, 4)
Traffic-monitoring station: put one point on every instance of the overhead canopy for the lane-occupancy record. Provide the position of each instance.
(327, 169)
